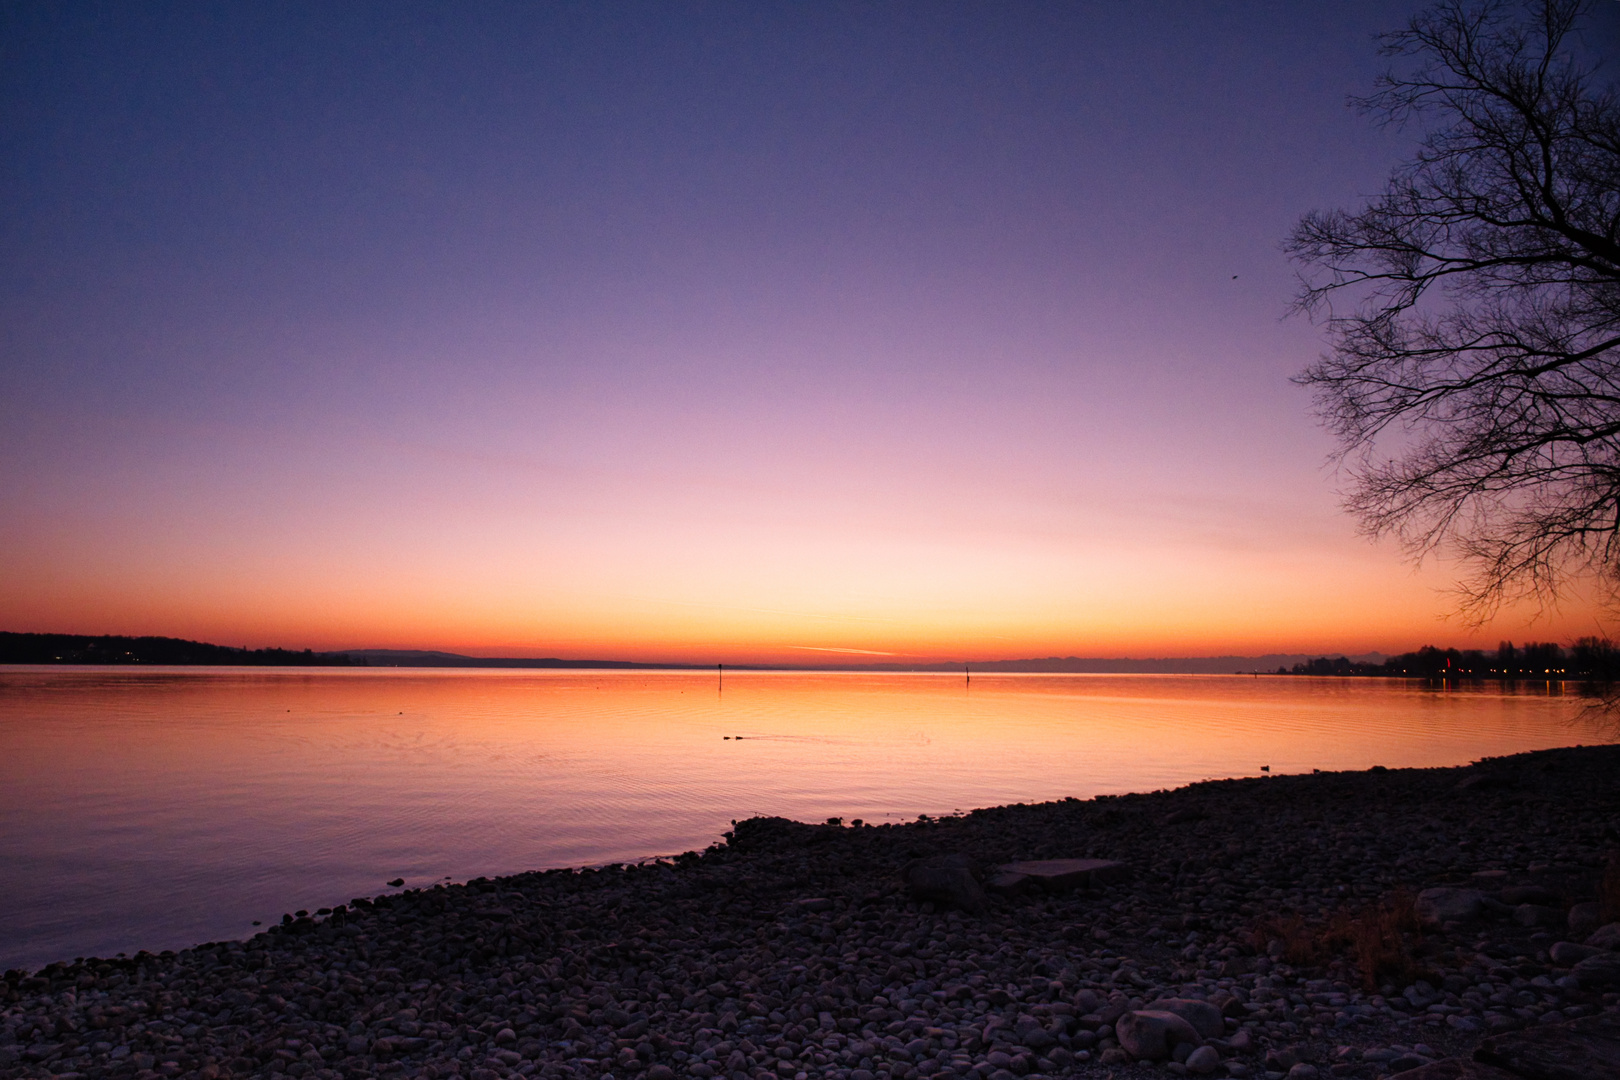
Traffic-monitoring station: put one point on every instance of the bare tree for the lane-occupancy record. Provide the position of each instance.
(1473, 307)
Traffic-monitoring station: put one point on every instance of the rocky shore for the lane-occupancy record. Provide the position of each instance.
(1345, 924)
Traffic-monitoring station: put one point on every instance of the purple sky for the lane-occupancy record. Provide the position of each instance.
(690, 331)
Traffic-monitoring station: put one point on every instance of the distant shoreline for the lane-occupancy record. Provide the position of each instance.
(123, 650)
(1429, 664)
(766, 669)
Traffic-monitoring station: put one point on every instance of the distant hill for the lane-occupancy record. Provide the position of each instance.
(429, 658)
(115, 649)
(18, 648)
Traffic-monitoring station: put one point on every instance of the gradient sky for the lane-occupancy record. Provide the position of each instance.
(685, 331)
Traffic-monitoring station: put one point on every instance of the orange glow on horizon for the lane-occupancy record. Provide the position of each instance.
(719, 562)
(1378, 610)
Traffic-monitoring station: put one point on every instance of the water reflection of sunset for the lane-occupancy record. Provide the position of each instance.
(249, 790)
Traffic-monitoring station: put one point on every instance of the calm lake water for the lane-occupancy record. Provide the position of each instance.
(159, 808)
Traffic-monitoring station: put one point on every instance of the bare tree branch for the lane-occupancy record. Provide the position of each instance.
(1473, 308)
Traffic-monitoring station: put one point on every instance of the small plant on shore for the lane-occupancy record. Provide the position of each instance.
(1377, 938)
(1382, 939)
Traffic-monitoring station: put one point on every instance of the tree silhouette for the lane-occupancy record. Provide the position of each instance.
(1473, 307)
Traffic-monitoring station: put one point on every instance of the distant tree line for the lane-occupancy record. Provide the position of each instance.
(114, 649)
(1590, 658)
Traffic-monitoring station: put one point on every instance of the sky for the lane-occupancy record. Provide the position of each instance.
(747, 332)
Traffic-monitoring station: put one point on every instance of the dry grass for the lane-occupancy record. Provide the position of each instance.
(1378, 939)
(1383, 939)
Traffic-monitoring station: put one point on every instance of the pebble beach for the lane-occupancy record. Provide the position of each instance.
(1336, 924)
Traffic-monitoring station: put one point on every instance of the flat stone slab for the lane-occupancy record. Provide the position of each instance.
(1060, 874)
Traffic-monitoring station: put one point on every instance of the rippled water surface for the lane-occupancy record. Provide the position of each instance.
(158, 808)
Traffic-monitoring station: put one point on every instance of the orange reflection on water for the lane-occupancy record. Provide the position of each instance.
(155, 808)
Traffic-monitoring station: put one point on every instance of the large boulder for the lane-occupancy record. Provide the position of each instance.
(1584, 919)
(1438, 906)
(1205, 1018)
(1568, 954)
(1152, 1034)
(1587, 1049)
(945, 879)
(1599, 971)
(1605, 937)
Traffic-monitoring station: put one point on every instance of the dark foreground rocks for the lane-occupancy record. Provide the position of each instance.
(1252, 928)
(1578, 1050)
